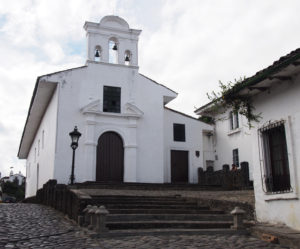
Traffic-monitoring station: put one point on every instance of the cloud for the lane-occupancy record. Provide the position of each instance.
(36, 38)
(201, 42)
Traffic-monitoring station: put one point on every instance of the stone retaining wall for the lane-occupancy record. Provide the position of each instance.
(61, 197)
(225, 178)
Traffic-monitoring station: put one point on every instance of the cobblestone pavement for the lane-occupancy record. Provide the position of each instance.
(36, 226)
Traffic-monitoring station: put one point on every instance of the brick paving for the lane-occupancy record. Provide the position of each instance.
(37, 226)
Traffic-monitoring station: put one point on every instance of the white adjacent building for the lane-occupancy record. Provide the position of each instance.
(128, 135)
(274, 142)
(14, 177)
(230, 140)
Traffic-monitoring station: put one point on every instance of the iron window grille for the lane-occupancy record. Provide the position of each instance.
(276, 174)
(235, 157)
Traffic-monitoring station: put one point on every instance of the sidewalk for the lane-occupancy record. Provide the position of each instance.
(283, 235)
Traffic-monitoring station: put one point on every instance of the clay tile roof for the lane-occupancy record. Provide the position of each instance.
(283, 62)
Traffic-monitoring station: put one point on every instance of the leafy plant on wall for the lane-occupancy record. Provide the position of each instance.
(226, 99)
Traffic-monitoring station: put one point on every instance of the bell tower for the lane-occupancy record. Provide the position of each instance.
(112, 41)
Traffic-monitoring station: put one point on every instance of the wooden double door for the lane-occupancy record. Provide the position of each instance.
(110, 158)
(179, 166)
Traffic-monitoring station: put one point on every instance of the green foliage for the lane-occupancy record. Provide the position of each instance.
(14, 189)
(207, 119)
(227, 99)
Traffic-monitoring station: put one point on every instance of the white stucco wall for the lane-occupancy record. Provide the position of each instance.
(42, 151)
(142, 134)
(193, 142)
(208, 148)
(281, 103)
(226, 140)
(150, 138)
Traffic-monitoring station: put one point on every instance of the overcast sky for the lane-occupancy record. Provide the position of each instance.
(187, 45)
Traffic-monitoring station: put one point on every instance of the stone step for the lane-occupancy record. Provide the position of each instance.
(139, 202)
(168, 231)
(154, 206)
(136, 197)
(164, 211)
(146, 186)
(173, 231)
(147, 217)
(168, 224)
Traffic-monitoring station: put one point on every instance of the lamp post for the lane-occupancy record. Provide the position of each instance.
(75, 135)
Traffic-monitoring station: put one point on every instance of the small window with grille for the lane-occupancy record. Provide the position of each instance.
(179, 132)
(235, 157)
(111, 99)
(276, 163)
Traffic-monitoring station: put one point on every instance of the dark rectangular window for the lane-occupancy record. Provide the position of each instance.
(236, 119)
(235, 157)
(179, 132)
(277, 174)
(231, 120)
(111, 99)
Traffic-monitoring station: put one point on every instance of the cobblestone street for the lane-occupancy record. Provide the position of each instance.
(36, 226)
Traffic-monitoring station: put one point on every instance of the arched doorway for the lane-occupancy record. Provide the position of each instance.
(110, 158)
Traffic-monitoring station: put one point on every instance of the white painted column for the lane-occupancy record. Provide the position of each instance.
(130, 153)
(90, 151)
(130, 162)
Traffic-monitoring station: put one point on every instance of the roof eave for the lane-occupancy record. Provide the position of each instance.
(41, 97)
(21, 154)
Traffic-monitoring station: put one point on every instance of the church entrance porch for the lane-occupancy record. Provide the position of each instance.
(110, 158)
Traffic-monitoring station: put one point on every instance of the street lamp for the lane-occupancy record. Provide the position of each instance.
(75, 135)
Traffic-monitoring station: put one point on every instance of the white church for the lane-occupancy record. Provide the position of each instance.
(128, 134)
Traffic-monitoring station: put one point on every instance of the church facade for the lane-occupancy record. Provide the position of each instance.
(128, 134)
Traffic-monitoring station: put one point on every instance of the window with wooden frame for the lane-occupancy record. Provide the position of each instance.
(234, 120)
(179, 132)
(111, 99)
(275, 156)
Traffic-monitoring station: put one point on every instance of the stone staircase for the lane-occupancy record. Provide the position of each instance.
(146, 186)
(132, 215)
